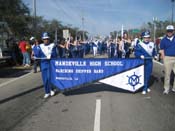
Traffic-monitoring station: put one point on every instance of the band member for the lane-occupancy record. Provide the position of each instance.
(146, 50)
(46, 51)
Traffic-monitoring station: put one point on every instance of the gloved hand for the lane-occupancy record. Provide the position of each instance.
(155, 57)
(142, 57)
(48, 57)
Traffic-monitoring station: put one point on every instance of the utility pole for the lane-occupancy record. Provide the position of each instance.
(172, 11)
(154, 28)
(83, 26)
(122, 31)
(34, 16)
(56, 37)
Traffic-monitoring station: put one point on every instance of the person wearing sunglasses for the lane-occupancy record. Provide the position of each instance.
(167, 50)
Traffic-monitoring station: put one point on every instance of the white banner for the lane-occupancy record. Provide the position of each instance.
(130, 80)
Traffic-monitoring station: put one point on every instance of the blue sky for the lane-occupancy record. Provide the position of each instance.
(103, 16)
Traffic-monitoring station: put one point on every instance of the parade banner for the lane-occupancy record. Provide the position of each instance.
(127, 74)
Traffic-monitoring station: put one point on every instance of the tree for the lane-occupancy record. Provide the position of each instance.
(16, 14)
(113, 34)
(160, 27)
(18, 17)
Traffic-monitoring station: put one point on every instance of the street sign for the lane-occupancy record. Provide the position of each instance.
(135, 31)
(65, 34)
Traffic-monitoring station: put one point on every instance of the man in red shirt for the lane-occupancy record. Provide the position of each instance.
(26, 57)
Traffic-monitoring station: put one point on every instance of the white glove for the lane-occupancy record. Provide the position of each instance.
(142, 57)
(48, 57)
(155, 57)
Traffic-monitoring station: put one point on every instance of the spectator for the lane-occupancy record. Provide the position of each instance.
(29, 51)
(26, 57)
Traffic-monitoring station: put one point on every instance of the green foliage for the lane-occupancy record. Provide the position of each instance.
(22, 24)
(160, 27)
(16, 14)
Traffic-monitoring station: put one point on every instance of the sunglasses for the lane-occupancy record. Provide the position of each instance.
(170, 31)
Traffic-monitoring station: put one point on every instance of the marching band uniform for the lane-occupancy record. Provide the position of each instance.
(35, 48)
(45, 53)
(146, 50)
(95, 46)
(112, 50)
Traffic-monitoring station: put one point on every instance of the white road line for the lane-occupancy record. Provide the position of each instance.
(12, 80)
(97, 115)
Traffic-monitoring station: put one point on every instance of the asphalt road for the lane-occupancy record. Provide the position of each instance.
(96, 107)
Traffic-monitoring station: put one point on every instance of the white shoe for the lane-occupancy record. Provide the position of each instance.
(143, 92)
(173, 89)
(165, 92)
(46, 96)
(52, 93)
(27, 65)
(148, 90)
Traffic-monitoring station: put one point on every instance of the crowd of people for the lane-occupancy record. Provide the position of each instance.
(121, 47)
(39, 51)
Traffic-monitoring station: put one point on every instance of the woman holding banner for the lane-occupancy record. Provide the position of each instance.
(146, 50)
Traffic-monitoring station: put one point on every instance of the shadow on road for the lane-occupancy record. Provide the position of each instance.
(91, 88)
(11, 72)
(19, 95)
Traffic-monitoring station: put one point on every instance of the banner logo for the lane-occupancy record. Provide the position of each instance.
(134, 80)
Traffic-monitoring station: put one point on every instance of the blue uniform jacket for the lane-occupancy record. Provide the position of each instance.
(145, 49)
(35, 49)
(46, 52)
